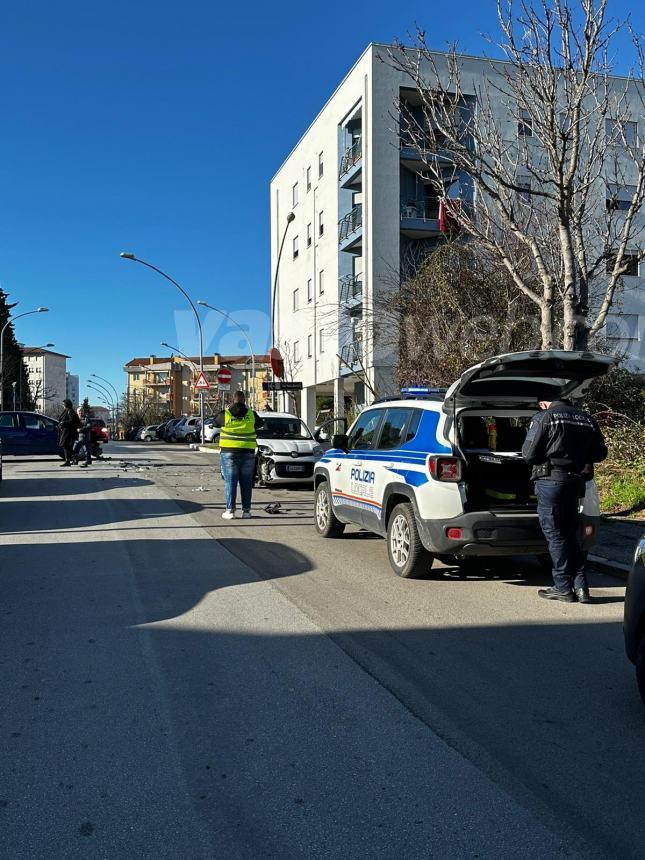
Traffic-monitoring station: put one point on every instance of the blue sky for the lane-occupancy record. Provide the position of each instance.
(155, 127)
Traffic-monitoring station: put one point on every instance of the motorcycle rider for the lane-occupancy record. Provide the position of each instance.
(562, 444)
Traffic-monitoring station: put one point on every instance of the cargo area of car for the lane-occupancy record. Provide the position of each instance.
(496, 475)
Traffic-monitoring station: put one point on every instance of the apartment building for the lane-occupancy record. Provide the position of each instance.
(362, 211)
(169, 381)
(72, 385)
(47, 376)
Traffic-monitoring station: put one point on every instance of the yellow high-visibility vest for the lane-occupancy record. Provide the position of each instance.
(238, 432)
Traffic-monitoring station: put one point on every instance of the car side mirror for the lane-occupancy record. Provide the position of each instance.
(340, 440)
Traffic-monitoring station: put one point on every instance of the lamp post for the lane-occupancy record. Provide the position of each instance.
(126, 255)
(290, 217)
(183, 355)
(104, 393)
(11, 320)
(241, 328)
(116, 395)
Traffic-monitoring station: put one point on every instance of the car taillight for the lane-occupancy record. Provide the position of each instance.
(445, 468)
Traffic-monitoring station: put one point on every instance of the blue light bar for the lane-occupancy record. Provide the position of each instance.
(421, 391)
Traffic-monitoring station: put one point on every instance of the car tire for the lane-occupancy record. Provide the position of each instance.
(409, 559)
(147, 438)
(326, 522)
(191, 438)
(640, 667)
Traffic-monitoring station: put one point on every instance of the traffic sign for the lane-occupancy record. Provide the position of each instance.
(202, 384)
(282, 386)
(224, 386)
(224, 375)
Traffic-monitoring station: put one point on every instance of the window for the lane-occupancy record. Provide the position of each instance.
(308, 235)
(6, 420)
(310, 343)
(630, 261)
(619, 197)
(321, 224)
(623, 133)
(364, 431)
(393, 429)
(295, 247)
(524, 194)
(309, 179)
(622, 327)
(136, 376)
(321, 340)
(321, 166)
(296, 350)
(310, 290)
(294, 195)
(321, 282)
(296, 299)
(525, 124)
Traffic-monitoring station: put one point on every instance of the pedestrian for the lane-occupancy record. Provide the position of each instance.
(68, 424)
(237, 442)
(562, 444)
(84, 441)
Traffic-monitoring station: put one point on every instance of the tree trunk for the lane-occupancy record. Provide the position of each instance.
(546, 324)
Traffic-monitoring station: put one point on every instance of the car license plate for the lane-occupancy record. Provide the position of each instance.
(295, 468)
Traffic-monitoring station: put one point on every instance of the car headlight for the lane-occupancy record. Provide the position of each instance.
(265, 449)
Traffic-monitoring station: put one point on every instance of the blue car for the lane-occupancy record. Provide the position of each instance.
(27, 433)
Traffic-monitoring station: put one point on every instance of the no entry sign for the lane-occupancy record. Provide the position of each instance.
(224, 376)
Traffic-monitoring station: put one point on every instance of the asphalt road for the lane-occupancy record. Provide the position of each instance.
(177, 686)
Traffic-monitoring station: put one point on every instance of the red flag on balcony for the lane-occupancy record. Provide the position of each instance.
(448, 209)
(443, 227)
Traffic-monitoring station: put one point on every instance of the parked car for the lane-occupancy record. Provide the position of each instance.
(187, 429)
(100, 434)
(287, 451)
(27, 433)
(634, 617)
(211, 430)
(169, 428)
(440, 474)
(148, 434)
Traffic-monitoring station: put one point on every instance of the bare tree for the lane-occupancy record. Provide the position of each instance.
(542, 159)
(292, 359)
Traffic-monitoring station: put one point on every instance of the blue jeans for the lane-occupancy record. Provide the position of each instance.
(238, 467)
(557, 506)
(83, 446)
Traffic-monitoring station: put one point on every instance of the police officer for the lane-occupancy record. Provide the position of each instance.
(237, 453)
(562, 444)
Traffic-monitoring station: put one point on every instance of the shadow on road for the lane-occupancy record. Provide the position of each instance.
(33, 488)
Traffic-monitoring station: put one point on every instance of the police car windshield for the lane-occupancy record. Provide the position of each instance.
(284, 428)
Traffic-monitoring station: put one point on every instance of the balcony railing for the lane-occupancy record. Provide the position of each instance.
(352, 222)
(351, 287)
(352, 353)
(351, 156)
(425, 210)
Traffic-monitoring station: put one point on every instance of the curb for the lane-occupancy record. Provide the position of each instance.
(615, 567)
(204, 449)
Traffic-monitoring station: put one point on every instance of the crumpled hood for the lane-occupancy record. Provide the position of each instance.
(304, 447)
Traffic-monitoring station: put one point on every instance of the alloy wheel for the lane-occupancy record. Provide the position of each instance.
(400, 540)
(322, 510)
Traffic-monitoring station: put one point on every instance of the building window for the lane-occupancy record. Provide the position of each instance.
(623, 133)
(622, 327)
(525, 124)
(321, 343)
(295, 247)
(308, 235)
(136, 376)
(310, 290)
(296, 299)
(321, 224)
(321, 166)
(296, 350)
(294, 195)
(310, 343)
(630, 261)
(619, 197)
(309, 179)
(524, 192)
(321, 282)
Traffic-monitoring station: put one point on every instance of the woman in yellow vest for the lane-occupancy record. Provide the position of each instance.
(237, 442)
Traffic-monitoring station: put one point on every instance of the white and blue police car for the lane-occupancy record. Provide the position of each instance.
(439, 473)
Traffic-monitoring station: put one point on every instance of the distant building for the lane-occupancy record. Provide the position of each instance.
(168, 382)
(47, 375)
(73, 388)
(101, 412)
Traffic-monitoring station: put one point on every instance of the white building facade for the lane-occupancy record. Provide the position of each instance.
(361, 207)
(72, 383)
(47, 375)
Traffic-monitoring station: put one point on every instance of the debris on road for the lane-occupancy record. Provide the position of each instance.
(274, 508)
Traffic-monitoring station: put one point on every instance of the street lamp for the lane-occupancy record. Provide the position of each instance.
(241, 328)
(290, 217)
(116, 395)
(179, 352)
(127, 255)
(103, 392)
(11, 320)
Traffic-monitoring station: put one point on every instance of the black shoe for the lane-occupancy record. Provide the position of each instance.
(62, 465)
(554, 594)
(583, 595)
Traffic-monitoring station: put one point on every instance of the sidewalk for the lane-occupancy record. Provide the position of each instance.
(616, 542)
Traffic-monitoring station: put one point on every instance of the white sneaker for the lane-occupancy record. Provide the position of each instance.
(228, 515)
(247, 515)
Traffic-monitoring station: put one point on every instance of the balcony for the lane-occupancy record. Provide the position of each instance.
(351, 164)
(420, 218)
(350, 230)
(352, 355)
(350, 290)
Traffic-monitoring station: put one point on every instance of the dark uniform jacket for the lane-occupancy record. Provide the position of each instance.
(565, 440)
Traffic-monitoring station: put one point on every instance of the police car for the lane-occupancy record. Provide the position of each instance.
(440, 474)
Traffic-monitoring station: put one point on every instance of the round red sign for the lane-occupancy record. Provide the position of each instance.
(224, 375)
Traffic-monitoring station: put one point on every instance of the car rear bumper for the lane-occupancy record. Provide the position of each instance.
(488, 533)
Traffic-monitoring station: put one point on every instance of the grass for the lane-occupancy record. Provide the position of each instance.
(621, 478)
